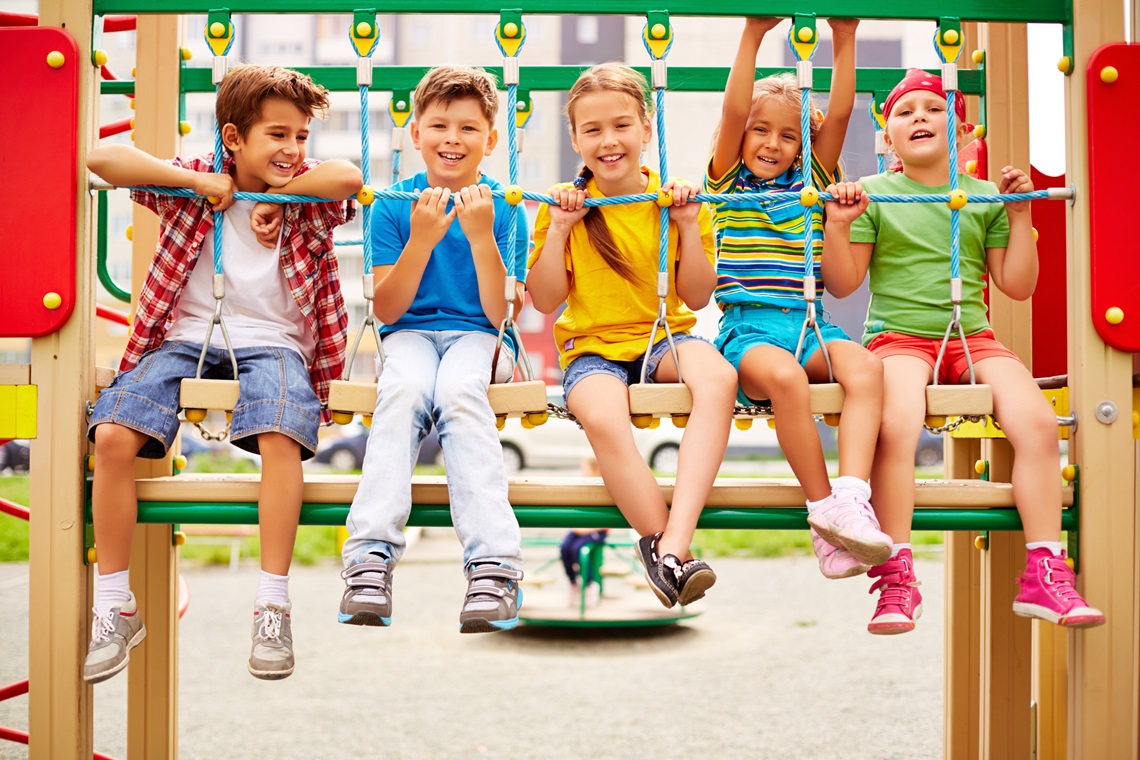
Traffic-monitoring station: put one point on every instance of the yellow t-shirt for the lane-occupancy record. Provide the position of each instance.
(606, 314)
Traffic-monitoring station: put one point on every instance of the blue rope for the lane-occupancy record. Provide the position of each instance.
(395, 165)
(805, 162)
(217, 214)
(663, 155)
(952, 142)
(365, 170)
(880, 159)
(513, 170)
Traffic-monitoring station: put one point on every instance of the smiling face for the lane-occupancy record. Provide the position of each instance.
(609, 132)
(772, 138)
(916, 129)
(271, 150)
(453, 140)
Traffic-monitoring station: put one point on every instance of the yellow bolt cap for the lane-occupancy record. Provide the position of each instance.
(980, 467)
(743, 424)
(654, 423)
(217, 30)
(950, 37)
(1035, 234)
(366, 420)
(195, 415)
(804, 34)
(179, 538)
(809, 196)
(657, 32)
(91, 556)
(640, 421)
(186, 53)
(526, 423)
(366, 195)
(1114, 315)
(538, 418)
(132, 135)
(52, 300)
(1136, 420)
(1071, 563)
(980, 543)
(980, 131)
(664, 197)
(510, 30)
(1065, 65)
(183, 128)
(500, 421)
(180, 462)
(680, 420)
(979, 56)
(364, 29)
(1069, 473)
(132, 123)
(513, 195)
(55, 59)
(132, 104)
(134, 72)
(342, 418)
(957, 199)
(90, 463)
(1109, 74)
(971, 166)
(772, 423)
(99, 57)
(130, 232)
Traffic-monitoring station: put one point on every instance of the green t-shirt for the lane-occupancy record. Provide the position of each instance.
(910, 269)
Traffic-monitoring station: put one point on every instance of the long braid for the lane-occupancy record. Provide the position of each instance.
(601, 237)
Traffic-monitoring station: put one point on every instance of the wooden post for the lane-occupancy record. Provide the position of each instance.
(59, 620)
(152, 696)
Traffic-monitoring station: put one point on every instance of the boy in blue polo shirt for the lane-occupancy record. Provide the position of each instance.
(440, 272)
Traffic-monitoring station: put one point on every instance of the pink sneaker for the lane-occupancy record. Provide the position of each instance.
(900, 603)
(835, 563)
(1047, 592)
(849, 523)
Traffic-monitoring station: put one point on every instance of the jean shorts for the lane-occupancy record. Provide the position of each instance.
(276, 396)
(627, 372)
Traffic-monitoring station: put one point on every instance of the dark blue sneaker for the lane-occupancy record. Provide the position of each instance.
(663, 573)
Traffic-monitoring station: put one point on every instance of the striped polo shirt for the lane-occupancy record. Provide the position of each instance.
(761, 247)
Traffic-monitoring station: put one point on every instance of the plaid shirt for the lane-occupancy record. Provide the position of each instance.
(306, 258)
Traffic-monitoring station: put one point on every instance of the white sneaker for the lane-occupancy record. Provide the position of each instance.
(271, 656)
(848, 522)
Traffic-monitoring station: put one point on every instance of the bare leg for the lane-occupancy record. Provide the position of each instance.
(861, 374)
(904, 409)
(279, 502)
(114, 502)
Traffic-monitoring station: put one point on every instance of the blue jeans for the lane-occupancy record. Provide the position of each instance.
(438, 377)
(628, 372)
(276, 396)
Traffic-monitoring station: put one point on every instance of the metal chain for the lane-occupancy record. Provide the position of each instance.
(560, 412)
(206, 434)
(753, 411)
(954, 424)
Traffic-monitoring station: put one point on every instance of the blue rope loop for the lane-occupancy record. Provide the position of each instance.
(880, 159)
(513, 171)
(952, 143)
(365, 171)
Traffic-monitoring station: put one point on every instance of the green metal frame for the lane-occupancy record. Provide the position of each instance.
(1042, 11)
(101, 253)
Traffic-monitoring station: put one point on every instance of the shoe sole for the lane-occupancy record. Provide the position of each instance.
(364, 617)
(695, 587)
(134, 642)
(488, 626)
(270, 675)
(850, 572)
(662, 597)
(823, 529)
(895, 627)
(867, 552)
(1038, 612)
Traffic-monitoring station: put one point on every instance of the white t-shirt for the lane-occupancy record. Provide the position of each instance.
(258, 308)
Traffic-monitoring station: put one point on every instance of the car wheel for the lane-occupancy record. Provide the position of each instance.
(664, 458)
(343, 459)
(512, 458)
(928, 456)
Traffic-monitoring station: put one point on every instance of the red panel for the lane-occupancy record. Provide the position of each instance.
(38, 167)
(1050, 300)
(1114, 152)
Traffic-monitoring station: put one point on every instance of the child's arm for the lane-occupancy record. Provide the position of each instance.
(396, 284)
(333, 179)
(126, 165)
(548, 280)
(476, 210)
(829, 142)
(696, 277)
(1014, 268)
(738, 96)
(844, 264)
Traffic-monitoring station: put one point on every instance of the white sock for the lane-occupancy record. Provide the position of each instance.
(815, 506)
(851, 485)
(1053, 546)
(273, 588)
(896, 548)
(113, 589)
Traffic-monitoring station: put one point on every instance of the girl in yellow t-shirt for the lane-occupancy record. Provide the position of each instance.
(603, 262)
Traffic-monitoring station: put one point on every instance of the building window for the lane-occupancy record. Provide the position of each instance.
(587, 30)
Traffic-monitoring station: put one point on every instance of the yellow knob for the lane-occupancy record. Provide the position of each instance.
(971, 166)
(213, 199)
(980, 543)
(1035, 235)
(195, 415)
(772, 422)
(217, 30)
(664, 197)
(52, 300)
(99, 57)
(90, 463)
(364, 29)
(183, 128)
(526, 423)
(831, 420)
(743, 424)
(179, 538)
(537, 418)
(134, 72)
(230, 417)
(979, 56)
(657, 32)
(130, 232)
(1071, 563)
(91, 556)
(180, 462)
(804, 34)
(186, 52)
(513, 195)
(366, 420)
(809, 196)
(980, 131)
(55, 59)
(500, 421)
(640, 421)
(132, 135)
(980, 467)
(1065, 65)
(957, 199)
(132, 104)
(1114, 315)
(654, 423)
(132, 123)
(1109, 74)
(680, 420)
(1069, 473)
(1136, 420)
(936, 421)
(950, 37)
(342, 418)
(366, 195)
(510, 30)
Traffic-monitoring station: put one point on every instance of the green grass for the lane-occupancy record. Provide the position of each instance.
(13, 531)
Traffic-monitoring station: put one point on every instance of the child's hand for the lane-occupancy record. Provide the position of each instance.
(843, 26)
(265, 221)
(760, 24)
(1015, 181)
(850, 202)
(430, 217)
(220, 186)
(570, 207)
(476, 210)
(682, 209)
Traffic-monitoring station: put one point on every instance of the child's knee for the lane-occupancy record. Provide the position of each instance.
(117, 441)
(863, 372)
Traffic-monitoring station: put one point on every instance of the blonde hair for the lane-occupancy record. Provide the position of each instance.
(621, 79)
(782, 90)
(445, 84)
(246, 87)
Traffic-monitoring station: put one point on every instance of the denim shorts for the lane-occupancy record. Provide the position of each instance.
(275, 397)
(745, 327)
(627, 372)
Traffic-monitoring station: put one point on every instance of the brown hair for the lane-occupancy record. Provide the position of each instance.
(783, 90)
(246, 87)
(608, 77)
(445, 84)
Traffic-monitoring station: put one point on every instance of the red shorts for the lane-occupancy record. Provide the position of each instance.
(983, 345)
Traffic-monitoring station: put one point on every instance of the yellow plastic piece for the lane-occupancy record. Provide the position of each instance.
(980, 131)
(510, 42)
(980, 467)
(500, 421)
(132, 123)
(537, 418)
(640, 421)
(743, 424)
(217, 29)
(978, 56)
(951, 37)
(526, 423)
(511, 30)
(831, 420)
(658, 31)
(1109, 74)
(132, 135)
(981, 543)
(971, 166)
(658, 46)
(52, 300)
(366, 420)
(1114, 315)
(99, 57)
(1065, 65)
(809, 196)
(219, 37)
(131, 103)
(180, 462)
(804, 34)
(196, 415)
(90, 463)
(55, 59)
(130, 232)
(680, 420)
(957, 199)
(936, 421)
(513, 195)
(1071, 563)
(342, 418)
(213, 198)
(1035, 234)
(134, 72)
(366, 195)
(183, 127)
(186, 53)
(664, 197)
(364, 29)
(91, 556)
(18, 410)
(654, 423)
(772, 423)
(1069, 473)
(179, 538)
(230, 417)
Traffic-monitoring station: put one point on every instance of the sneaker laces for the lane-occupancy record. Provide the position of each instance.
(1059, 579)
(895, 580)
(102, 627)
(270, 628)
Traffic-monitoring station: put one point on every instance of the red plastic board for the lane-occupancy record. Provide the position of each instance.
(1050, 299)
(1113, 153)
(38, 167)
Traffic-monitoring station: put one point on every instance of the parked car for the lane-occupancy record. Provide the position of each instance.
(347, 451)
(15, 456)
(928, 452)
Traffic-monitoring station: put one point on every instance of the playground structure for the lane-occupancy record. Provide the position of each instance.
(1076, 696)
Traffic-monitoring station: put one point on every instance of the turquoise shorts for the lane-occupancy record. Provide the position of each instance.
(743, 328)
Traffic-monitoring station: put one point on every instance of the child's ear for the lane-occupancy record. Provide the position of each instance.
(414, 131)
(231, 137)
(492, 141)
(647, 132)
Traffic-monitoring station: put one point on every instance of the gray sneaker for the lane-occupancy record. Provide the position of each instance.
(493, 599)
(367, 598)
(271, 656)
(113, 636)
